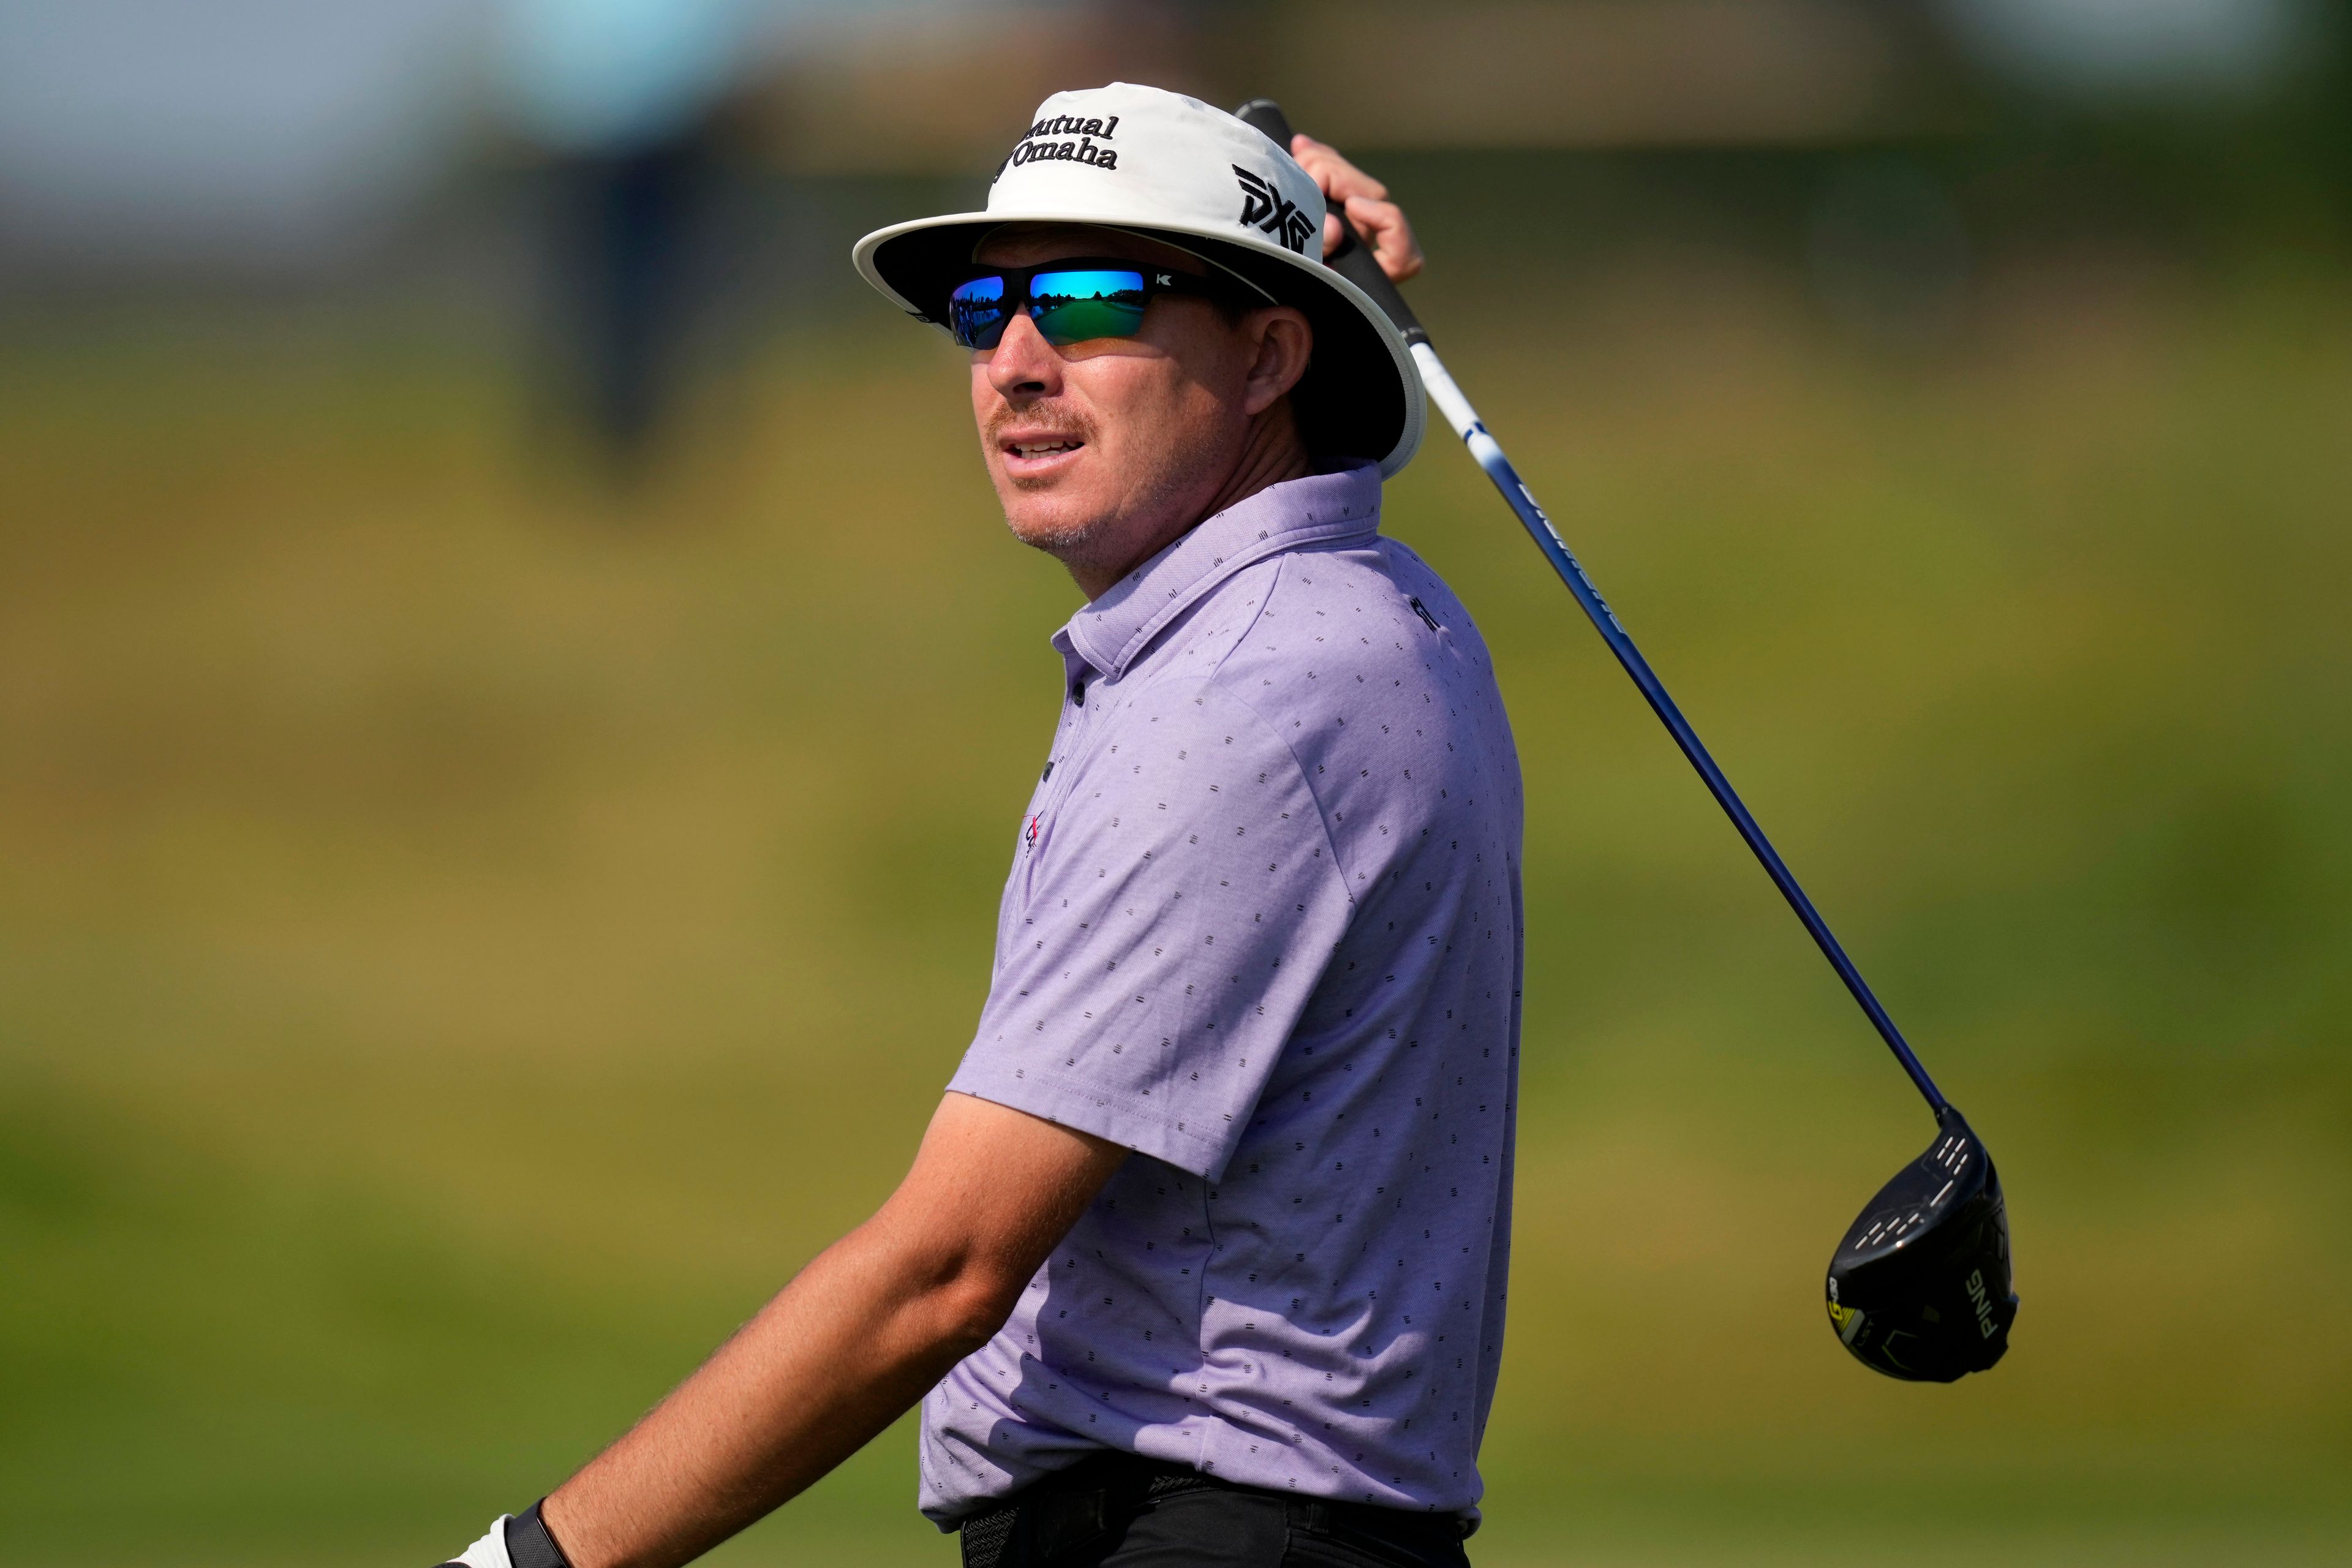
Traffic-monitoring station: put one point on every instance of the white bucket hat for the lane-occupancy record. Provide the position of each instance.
(1158, 163)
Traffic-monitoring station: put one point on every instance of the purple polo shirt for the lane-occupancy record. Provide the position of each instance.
(1264, 928)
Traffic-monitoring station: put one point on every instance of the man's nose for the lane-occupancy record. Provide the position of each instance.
(1023, 364)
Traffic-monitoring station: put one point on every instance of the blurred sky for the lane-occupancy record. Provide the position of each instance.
(292, 128)
(250, 125)
(294, 131)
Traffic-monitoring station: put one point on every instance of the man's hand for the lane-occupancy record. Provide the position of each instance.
(844, 1349)
(1366, 201)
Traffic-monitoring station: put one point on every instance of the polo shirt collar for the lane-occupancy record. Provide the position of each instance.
(1108, 634)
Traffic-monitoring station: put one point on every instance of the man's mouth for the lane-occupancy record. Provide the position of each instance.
(1038, 455)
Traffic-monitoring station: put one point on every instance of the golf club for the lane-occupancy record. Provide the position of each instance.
(1919, 1286)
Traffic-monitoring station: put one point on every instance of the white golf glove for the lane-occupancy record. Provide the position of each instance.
(489, 1552)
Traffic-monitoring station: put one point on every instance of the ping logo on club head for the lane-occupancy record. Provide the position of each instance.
(1265, 207)
(1982, 1301)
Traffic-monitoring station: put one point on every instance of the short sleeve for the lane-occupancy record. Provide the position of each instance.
(1183, 905)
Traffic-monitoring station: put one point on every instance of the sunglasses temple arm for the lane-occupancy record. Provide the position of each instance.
(1355, 261)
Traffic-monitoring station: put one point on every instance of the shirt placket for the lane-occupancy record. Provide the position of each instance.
(1081, 703)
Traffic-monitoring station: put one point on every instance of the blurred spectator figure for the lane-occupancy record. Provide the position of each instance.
(622, 96)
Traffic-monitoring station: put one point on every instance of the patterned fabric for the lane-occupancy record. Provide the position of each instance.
(1263, 928)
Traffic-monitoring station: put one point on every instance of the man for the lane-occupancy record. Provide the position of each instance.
(1201, 1259)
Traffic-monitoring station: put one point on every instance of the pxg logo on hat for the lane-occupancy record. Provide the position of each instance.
(1264, 206)
(1148, 162)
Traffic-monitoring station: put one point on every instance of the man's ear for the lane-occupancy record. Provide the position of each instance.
(1284, 343)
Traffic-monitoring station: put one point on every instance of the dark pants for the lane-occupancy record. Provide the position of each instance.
(1122, 1512)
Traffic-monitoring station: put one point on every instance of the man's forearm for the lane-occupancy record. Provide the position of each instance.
(853, 1341)
(877, 1319)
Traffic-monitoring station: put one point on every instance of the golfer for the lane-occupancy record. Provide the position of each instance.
(1202, 1261)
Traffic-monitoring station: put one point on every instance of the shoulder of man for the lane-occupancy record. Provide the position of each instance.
(1347, 641)
(1368, 670)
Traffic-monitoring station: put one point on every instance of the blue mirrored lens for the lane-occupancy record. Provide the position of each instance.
(976, 312)
(1093, 302)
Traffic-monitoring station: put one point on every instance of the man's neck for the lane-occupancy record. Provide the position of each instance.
(1274, 454)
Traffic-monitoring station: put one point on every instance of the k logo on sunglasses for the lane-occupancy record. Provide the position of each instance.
(1264, 207)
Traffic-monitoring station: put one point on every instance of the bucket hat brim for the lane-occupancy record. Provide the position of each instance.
(1362, 396)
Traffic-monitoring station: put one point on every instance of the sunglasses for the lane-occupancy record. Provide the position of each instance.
(1071, 302)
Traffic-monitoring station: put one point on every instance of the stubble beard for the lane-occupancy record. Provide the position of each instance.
(1131, 519)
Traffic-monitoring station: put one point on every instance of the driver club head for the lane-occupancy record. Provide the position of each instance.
(1919, 1288)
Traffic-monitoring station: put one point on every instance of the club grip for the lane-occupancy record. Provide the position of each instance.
(1354, 259)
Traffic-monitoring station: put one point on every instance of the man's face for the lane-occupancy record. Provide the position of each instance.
(1102, 451)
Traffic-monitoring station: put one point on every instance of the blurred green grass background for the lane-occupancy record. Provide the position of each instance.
(465, 938)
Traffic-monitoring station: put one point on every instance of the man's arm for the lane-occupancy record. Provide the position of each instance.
(857, 1337)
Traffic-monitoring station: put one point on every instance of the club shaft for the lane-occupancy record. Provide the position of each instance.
(1489, 455)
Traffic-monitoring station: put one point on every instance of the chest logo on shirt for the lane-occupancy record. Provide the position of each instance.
(1030, 837)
